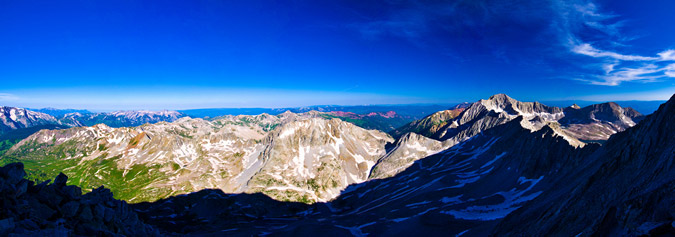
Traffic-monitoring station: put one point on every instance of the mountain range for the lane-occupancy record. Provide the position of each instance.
(307, 157)
(476, 169)
(507, 180)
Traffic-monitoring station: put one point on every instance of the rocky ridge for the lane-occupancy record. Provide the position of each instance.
(58, 209)
(624, 189)
(297, 157)
(12, 118)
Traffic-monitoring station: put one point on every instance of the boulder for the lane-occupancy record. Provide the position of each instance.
(108, 214)
(99, 212)
(21, 188)
(13, 173)
(60, 180)
(28, 224)
(72, 192)
(70, 209)
(6, 226)
(86, 214)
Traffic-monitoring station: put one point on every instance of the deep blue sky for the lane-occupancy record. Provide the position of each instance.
(106, 55)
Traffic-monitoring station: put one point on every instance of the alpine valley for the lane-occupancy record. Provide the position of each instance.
(472, 169)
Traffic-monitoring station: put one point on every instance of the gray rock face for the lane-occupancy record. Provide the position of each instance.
(408, 149)
(599, 121)
(314, 159)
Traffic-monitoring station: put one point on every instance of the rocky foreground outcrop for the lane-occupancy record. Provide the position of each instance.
(57, 209)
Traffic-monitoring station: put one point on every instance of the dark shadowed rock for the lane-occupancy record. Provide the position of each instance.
(27, 209)
(70, 209)
(624, 189)
(6, 226)
(85, 212)
(21, 187)
(60, 180)
(72, 192)
(13, 173)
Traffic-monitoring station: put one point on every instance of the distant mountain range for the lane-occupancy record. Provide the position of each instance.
(642, 106)
(477, 169)
(412, 111)
(305, 157)
(60, 112)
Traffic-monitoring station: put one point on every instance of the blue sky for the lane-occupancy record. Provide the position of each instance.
(106, 55)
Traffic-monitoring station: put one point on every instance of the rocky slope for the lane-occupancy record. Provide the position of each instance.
(12, 118)
(405, 151)
(467, 189)
(599, 121)
(289, 157)
(430, 125)
(450, 127)
(58, 209)
(626, 188)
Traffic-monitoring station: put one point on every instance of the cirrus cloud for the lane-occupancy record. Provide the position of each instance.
(557, 30)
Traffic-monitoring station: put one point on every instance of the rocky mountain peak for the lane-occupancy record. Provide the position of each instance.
(501, 97)
(624, 188)
(12, 118)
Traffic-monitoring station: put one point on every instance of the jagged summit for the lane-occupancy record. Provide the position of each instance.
(575, 106)
(500, 97)
(624, 189)
(591, 123)
(599, 121)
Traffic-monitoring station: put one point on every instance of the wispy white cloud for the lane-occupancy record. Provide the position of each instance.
(668, 55)
(651, 70)
(618, 67)
(647, 73)
(8, 97)
(670, 70)
(560, 29)
(589, 50)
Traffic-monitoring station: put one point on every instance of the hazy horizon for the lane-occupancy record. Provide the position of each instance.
(557, 103)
